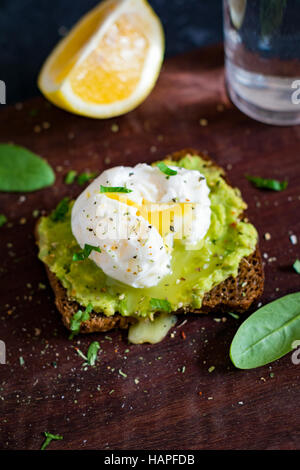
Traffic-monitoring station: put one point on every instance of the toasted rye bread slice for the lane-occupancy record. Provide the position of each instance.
(234, 294)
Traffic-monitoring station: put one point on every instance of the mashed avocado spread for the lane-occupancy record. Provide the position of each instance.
(194, 272)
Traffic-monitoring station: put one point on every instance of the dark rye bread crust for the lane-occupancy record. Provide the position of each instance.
(233, 294)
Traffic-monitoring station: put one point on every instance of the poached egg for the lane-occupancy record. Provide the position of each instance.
(134, 215)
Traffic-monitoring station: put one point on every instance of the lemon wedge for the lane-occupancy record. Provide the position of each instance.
(108, 63)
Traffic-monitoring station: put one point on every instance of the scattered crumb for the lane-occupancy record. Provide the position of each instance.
(203, 122)
(267, 236)
(114, 128)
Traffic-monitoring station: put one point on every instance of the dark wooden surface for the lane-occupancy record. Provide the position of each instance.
(159, 405)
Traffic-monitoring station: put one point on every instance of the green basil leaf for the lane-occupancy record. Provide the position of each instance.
(70, 177)
(296, 266)
(116, 189)
(166, 170)
(267, 334)
(85, 177)
(160, 305)
(265, 183)
(61, 210)
(22, 170)
(3, 220)
(92, 353)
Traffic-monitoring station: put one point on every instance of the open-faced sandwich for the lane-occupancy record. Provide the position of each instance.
(142, 243)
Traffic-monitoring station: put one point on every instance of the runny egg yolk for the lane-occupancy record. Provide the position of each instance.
(161, 215)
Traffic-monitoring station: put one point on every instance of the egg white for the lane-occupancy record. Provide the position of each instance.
(132, 250)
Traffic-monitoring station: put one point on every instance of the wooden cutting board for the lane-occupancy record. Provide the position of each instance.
(168, 398)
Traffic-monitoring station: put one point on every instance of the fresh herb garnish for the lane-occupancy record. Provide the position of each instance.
(85, 177)
(22, 170)
(265, 183)
(267, 334)
(160, 305)
(80, 353)
(85, 253)
(92, 353)
(296, 266)
(234, 315)
(3, 220)
(122, 374)
(166, 170)
(78, 318)
(116, 189)
(61, 210)
(70, 177)
(50, 437)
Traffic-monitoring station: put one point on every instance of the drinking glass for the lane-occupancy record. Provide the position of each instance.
(262, 58)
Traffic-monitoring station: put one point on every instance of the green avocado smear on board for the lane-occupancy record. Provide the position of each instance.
(194, 271)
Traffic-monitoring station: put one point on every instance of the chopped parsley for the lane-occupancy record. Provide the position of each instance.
(85, 253)
(234, 315)
(264, 183)
(122, 374)
(80, 353)
(296, 266)
(116, 189)
(160, 305)
(70, 177)
(85, 177)
(3, 220)
(166, 170)
(61, 210)
(50, 437)
(78, 318)
(92, 353)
